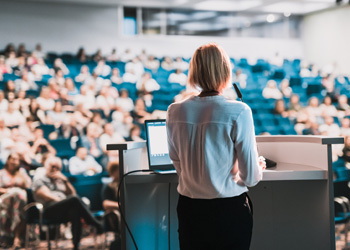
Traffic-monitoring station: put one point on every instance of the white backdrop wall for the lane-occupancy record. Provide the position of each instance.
(66, 27)
(326, 38)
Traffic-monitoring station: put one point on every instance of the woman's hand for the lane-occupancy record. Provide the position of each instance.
(262, 162)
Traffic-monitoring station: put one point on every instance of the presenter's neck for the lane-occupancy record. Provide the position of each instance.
(210, 93)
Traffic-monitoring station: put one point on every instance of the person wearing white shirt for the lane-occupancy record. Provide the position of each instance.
(82, 163)
(110, 136)
(3, 102)
(147, 84)
(212, 145)
(178, 77)
(271, 91)
(135, 66)
(86, 97)
(13, 117)
(124, 102)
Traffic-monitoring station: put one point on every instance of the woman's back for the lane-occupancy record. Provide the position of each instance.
(209, 133)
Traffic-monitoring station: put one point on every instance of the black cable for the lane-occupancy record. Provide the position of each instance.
(169, 214)
(118, 198)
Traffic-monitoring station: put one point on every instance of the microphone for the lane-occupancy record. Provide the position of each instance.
(239, 94)
(269, 163)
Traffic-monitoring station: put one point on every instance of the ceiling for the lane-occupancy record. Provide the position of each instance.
(297, 7)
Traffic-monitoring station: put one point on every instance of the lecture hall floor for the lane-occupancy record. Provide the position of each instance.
(88, 243)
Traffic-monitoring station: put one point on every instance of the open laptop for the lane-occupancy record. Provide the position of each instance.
(157, 147)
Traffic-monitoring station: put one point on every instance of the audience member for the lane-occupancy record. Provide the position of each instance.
(83, 75)
(56, 116)
(271, 90)
(35, 111)
(113, 57)
(44, 101)
(139, 114)
(127, 56)
(110, 136)
(180, 64)
(14, 181)
(135, 134)
(329, 128)
(135, 66)
(91, 141)
(312, 128)
(313, 109)
(178, 77)
(40, 145)
(13, 117)
(327, 108)
(102, 69)
(122, 122)
(240, 78)
(81, 55)
(83, 163)
(60, 201)
(285, 89)
(110, 198)
(4, 68)
(3, 102)
(346, 151)
(59, 64)
(345, 127)
(106, 99)
(86, 98)
(152, 63)
(115, 77)
(167, 63)
(97, 56)
(146, 84)
(26, 82)
(124, 102)
(5, 132)
(280, 108)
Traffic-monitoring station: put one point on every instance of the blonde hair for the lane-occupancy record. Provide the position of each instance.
(210, 68)
(53, 160)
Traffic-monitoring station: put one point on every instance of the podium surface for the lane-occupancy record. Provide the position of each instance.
(293, 204)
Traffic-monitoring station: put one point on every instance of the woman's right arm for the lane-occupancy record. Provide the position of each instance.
(249, 170)
(44, 193)
(3, 191)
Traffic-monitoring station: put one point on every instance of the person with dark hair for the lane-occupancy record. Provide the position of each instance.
(14, 181)
(212, 145)
(61, 204)
(83, 163)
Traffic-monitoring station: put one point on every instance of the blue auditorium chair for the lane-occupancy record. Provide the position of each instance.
(47, 129)
(63, 147)
(295, 81)
(278, 74)
(32, 93)
(314, 89)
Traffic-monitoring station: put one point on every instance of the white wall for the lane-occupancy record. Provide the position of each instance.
(66, 27)
(326, 38)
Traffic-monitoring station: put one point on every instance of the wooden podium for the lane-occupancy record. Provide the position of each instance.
(293, 204)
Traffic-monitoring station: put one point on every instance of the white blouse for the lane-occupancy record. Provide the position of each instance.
(206, 135)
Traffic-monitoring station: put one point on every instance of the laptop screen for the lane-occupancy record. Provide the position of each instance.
(157, 145)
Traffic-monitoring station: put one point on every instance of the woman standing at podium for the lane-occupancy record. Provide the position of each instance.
(212, 145)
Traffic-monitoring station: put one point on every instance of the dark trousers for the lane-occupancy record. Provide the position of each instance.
(70, 209)
(209, 224)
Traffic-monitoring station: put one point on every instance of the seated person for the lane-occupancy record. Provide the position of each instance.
(346, 151)
(13, 197)
(61, 204)
(82, 163)
(110, 198)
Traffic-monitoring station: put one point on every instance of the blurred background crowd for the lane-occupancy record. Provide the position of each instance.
(71, 106)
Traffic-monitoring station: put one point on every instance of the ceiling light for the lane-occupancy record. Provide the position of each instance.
(270, 18)
(287, 14)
